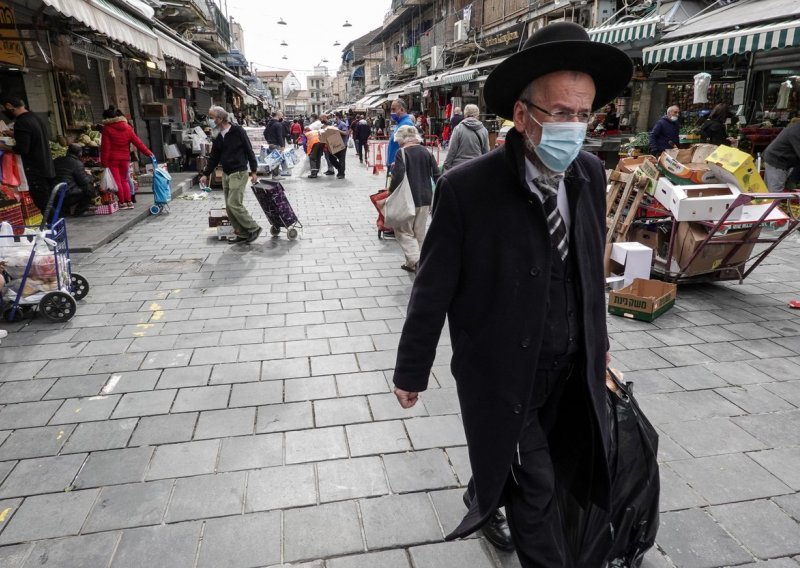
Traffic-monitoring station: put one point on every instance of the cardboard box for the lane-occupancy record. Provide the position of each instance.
(646, 176)
(685, 173)
(652, 235)
(697, 202)
(731, 165)
(629, 165)
(217, 217)
(689, 237)
(643, 300)
(635, 258)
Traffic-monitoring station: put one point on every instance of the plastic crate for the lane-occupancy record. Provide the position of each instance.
(13, 215)
(107, 209)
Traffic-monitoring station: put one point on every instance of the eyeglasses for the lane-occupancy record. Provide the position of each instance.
(560, 115)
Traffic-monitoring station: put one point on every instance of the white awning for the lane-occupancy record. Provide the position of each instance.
(721, 44)
(104, 17)
(631, 30)
(172, 48)
(377, 102)
(452, 78)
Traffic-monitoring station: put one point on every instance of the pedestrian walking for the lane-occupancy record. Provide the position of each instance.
(115, 152)
(525, 304)
(296, 130)
(419, 166)
(361, 136)
(400, 117)
(469, 140)
(275, 135)
(231, 148)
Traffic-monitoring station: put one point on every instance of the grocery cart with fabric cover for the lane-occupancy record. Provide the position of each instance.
(272, 198)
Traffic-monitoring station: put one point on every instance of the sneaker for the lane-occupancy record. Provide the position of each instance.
(254, 235)
(130, 205)
(312, 176)
(339, 176)
(237, 239)
(329, 173)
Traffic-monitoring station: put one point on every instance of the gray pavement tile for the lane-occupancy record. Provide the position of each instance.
(179, 377)
(66, 368)
(90, 409)
(202, 398)
(315, 445)
(675, 493)
(358, 344)
(215, 355)
(682, 355)
(42, 475)
(666, 337)
(13, 556)
(34, 442)
(727, 478)
(693, 540)
(724, 352)
(783, 463)
(131, 381)
(236, 373)
(739, 373)
(441, 401)
(385, 407)
(71, 387)
(284, 417)
(694, 377)
(154, 343)
(650, 382)
(126, 506)
(419, 471)
(469, 552)
(24, 391)
(241, 541)
(679, 406)
(450, 508)
(384, 559)
(229, 422)
(779, 429)
(352, 478)
(164, 429)
(377, 360)
(286, 369)
(712, 334)
(374, 327)
(261, 352)
(27, 414)
(761, 527)
(787, 390)
(459, 458)
(74, 552)
(166, 359)
(703, 318)
(307, 348)
(310, 388)
(377, 438)
(49, 516)
(790, 504)
(334, 364)
(182, 460)
(712, 436)
(388, 341)
(165, 545)
(144, 403)
(20, 371)
(281, 487)
(775, 563)
(765, 348)
(277, 332)
(352, 384)
(114, 467)
(222, 494)
(332, 529)
(5, 469)
(256, 394)
(241, 336)
(399, 520)
(340, 411)
(196, 340)
(791, 343)
(639, 359)
(780, 369)
(435, 431)
(7, 509)
(105, 347)
(750, 330)
(754, 399)
(251, 452)
(326, 330)
(106, 364)
(738, 315)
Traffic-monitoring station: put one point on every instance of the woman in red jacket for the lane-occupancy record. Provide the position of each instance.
(115, 152)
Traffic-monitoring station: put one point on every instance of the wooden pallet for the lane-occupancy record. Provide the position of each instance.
(623, 206)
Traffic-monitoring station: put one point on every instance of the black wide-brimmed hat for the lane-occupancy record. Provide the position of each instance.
(561, 46)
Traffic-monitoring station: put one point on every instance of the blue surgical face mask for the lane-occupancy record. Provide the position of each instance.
(395, 117)
(560, 144)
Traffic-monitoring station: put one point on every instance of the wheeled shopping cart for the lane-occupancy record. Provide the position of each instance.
(162, 191)
(272, 198)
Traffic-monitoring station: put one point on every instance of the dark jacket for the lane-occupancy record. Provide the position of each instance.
(421, 168)
(233, 151)
(30, 136)
(362, 131)
(490, 285)
(665, 133)
(115, 147)
(455, 120)
(70, 169)
(713, 131)
(784, 152)
(275, 134)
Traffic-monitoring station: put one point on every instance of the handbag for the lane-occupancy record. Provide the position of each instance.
(399, 208)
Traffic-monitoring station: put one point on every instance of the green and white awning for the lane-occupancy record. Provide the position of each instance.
(623, 32)
(452, 78)
(744, 40)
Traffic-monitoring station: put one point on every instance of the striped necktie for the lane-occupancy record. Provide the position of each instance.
(555, 223)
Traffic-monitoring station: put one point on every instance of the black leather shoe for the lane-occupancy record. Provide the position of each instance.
(496, 529)
(330, 173)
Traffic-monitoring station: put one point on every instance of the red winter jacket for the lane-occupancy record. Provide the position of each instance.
(116, 141)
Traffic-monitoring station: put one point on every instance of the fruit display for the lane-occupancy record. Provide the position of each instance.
(90, 138)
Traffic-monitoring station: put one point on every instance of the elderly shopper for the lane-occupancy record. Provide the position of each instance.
(526, 304)
(414, 162)
(232, 150)
(666, 132)
(469, 140)
(70, 170)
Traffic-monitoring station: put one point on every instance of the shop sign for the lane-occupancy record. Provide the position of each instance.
(501, 41)
(10, 49)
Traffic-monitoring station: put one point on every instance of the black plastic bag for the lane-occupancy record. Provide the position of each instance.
(619, 539)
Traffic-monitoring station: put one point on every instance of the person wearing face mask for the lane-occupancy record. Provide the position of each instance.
(400, 117)
(31, 143)
(526, 304)
(666, 132)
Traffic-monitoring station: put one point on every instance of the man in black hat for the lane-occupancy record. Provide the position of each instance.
(525, 305)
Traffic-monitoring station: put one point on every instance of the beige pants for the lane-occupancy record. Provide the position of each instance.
(411, 235)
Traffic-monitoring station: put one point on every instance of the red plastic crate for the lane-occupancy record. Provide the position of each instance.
(13, 215)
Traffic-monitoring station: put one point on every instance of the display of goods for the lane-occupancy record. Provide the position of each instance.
(34, 221)
(107, 209)
(29, 209)
(12, 214)
(106, 198)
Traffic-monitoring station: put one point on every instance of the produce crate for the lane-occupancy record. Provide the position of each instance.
(13, 215)
(107, 209)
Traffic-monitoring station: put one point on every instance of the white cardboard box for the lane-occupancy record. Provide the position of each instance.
(635, 257)
(697, 202)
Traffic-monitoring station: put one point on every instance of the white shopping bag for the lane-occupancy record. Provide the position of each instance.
(107, 183)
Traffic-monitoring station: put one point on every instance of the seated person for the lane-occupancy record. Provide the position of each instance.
(80, 189)
(611, 122)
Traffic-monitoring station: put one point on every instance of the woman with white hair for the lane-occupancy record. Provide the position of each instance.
(470, 139)
(420, 166)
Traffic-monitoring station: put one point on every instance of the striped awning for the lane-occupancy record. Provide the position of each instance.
(632, 30)
(744, 40)
(451, 78)
(173, 48)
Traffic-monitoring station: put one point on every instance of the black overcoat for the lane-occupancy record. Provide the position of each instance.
(485, 264)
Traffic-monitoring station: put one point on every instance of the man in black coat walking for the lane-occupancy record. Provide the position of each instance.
(275, 135)
(526, 305)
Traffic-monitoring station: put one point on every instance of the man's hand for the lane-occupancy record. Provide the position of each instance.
(254, 177)
(204, 181)
(405, 398)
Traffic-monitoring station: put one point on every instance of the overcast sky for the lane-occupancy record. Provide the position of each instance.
(312, 28)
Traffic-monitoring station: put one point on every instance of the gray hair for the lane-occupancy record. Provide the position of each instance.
(219, 112)
(406, 134)
(472, 110)
(401, 103)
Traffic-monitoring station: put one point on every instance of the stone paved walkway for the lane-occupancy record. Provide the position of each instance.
(230, 405)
